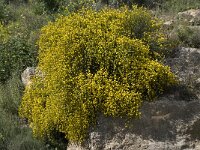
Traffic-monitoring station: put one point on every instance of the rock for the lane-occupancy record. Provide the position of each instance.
(73, 146)
(168, 133)
(198, 83)
(191, 16)
(194, 28)
(186, 65)
(187, 18)
(184, 27)
(27, 74)
(168, 24)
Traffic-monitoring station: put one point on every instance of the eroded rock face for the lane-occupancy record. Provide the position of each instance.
(164, 124)
(186, 65)
(172, 122)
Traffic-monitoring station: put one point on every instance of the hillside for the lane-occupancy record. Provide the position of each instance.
(170, 122)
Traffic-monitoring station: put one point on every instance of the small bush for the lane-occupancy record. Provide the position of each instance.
(18, 47)
(7, 13)
(148, 3)
(175, 6)
(95, 62)
(2, 11)
(16, 54)
(14, 134)
(189, 36)
(54, 6)
(10, 95)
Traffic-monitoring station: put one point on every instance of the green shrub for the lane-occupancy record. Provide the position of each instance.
(46, 6)
(16, 54)
(146, 3)
(15, 137)
(6, 12)
(18, 47)
(2, 10)
(53, 6)
(10, 95)
(189, 36)
(91, 63)
(175, 6)
(14, 133)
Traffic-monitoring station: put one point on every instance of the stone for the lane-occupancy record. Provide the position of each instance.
(192, 16)
(168, 24)
(27, 74)
(170, 133)
(185, 64)
(73, 146)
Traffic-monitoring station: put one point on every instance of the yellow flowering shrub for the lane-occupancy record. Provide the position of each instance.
(94, 62)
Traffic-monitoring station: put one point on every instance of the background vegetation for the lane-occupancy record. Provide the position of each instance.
(20, 25)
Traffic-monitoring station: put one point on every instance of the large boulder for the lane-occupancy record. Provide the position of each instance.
(186, 65)
(164, 124)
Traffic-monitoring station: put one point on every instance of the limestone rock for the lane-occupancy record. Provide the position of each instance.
(168, 24)
(186, 65)
(27, 74)
(170, 132)
(192, 16)
(73, 146)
